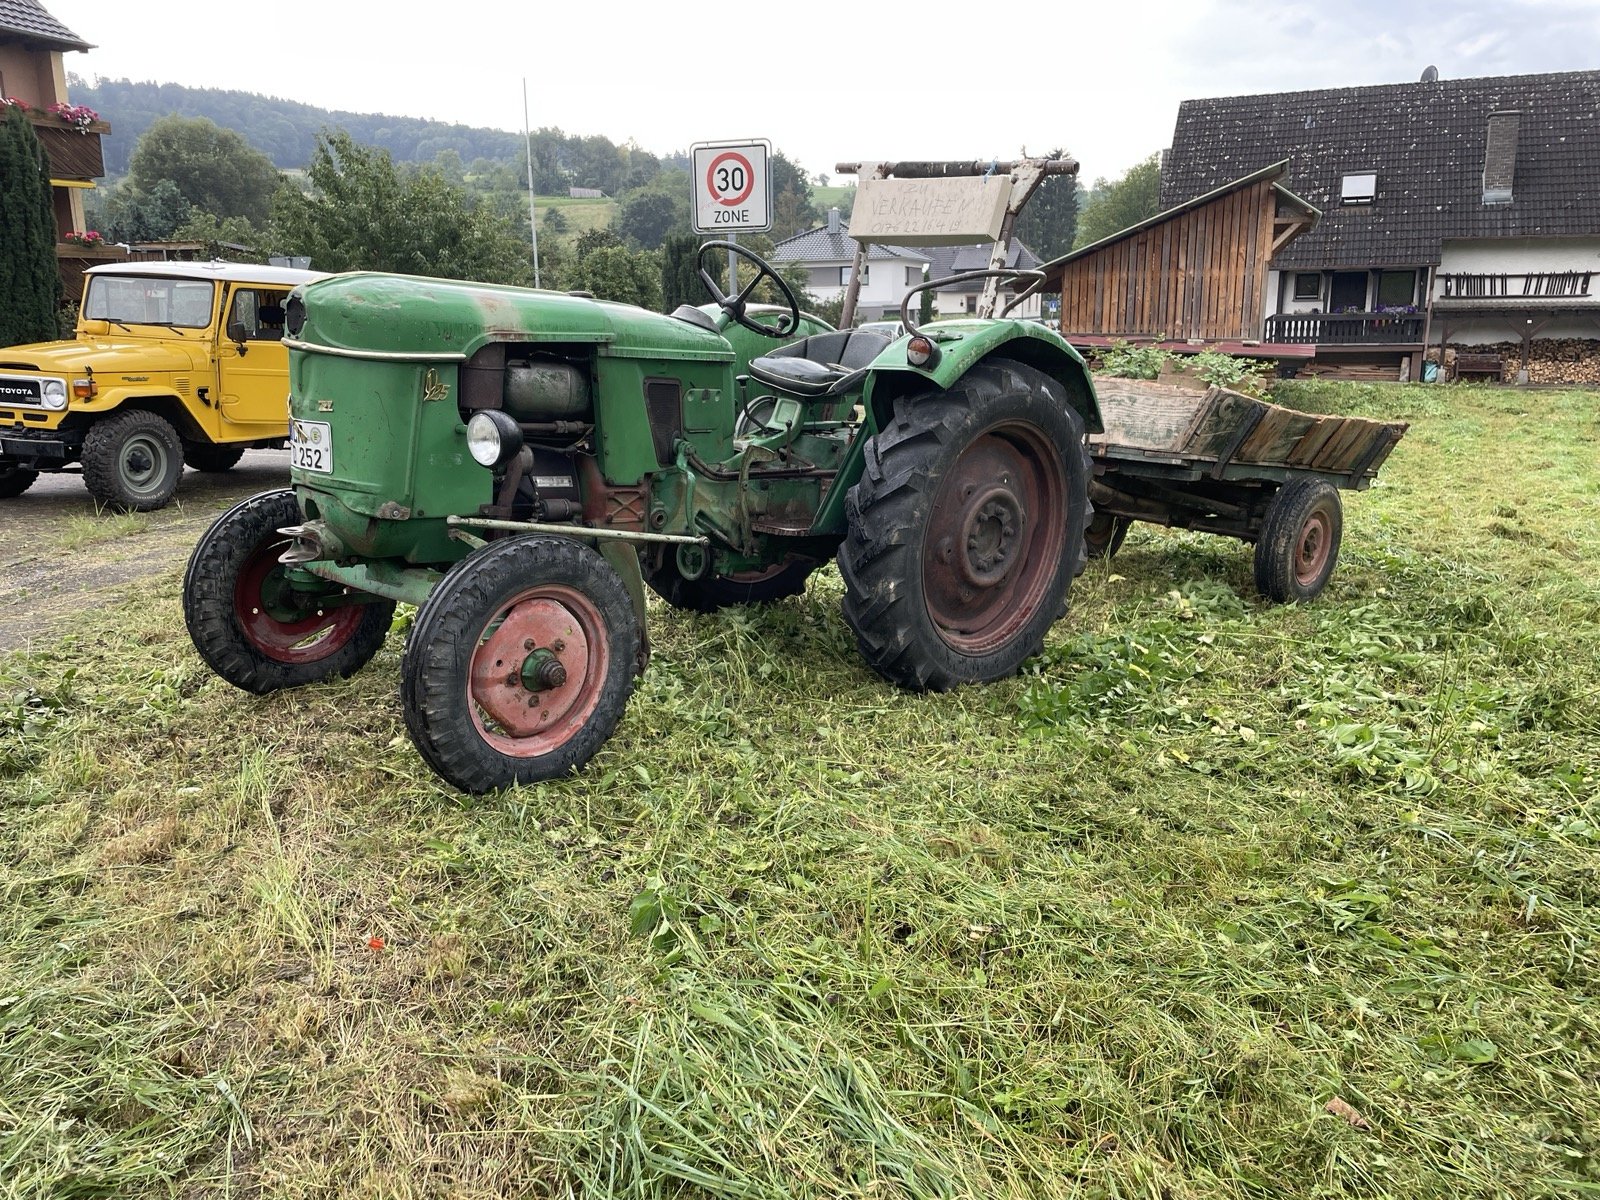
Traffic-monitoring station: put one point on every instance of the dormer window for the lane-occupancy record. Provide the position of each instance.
(1358, 189)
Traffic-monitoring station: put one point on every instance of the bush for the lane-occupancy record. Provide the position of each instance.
(1224, 370)
(1132, 362)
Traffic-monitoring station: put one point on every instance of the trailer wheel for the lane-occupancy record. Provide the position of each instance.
(132, 461)
(966, 528)
(250, 626)
(1104, 536)
(520, 663)
(763, 586)
(15, 479)
(1299, 545)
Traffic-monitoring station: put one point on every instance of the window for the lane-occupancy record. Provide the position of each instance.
(913, 276)
(844, 276)
(1307, 285)
(1358, 189)
(866, 275)
(1397, 289)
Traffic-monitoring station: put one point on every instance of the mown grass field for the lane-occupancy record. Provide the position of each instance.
(1218, 899)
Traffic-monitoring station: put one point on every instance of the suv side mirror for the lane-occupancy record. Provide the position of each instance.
(237, 334)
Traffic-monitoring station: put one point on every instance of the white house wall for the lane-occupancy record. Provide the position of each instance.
(1517, 256)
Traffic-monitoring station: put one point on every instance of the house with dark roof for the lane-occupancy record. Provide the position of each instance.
(828, 255)
(1455, 213)
(962, 298)
(33, 75)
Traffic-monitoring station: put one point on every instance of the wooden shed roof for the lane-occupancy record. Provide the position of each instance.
(1272, 171)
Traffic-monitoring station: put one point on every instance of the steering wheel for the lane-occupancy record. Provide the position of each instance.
(736, 305)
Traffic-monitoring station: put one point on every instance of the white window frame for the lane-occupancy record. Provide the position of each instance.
(1358, 187)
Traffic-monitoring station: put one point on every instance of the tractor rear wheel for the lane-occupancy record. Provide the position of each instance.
(520, 663)
(1299, 545)
(761, 586)
(15, 479)
(251, 626)
(966, 528)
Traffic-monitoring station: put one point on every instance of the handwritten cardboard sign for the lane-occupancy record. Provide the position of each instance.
(930, 212)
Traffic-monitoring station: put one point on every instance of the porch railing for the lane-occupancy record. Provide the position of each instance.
(1462, 286)
(1346, 329)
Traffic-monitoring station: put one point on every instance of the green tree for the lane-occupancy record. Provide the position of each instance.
(1115, 204)
(30, 283)
(648, 215)
(617, 273)
(792, 209)
(215, 169)
(1050, 220)
(680, 281)
(233, 239)
(145, 214)
(363, 213)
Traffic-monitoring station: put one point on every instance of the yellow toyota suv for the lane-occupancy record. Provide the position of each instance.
(172, 363)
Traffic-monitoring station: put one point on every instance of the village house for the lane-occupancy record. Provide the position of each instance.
(1460, 220)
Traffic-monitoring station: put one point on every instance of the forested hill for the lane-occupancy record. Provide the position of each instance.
(285, 130)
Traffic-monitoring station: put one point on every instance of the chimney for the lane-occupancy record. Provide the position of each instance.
(833, 220)
(1500, 157)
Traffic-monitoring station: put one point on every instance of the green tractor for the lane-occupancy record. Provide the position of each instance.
(522, 465)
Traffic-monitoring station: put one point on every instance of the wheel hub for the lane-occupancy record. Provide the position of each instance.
(992, 530)
(1312, 552)
(532, 670)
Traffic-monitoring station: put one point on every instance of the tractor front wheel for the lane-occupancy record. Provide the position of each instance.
(251, 625)
(966, 528)
(520, 664)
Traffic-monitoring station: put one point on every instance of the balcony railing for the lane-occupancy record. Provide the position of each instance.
(72, 155)
(1543, 284)
(1346, 329)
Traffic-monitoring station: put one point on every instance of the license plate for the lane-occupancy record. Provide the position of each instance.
(311, 446)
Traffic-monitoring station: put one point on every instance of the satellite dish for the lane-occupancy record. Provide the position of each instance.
(1430, 74)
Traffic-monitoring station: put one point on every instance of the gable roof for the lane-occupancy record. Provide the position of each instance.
(1426, 142)
(1274, 171)
(831, 244)
(27, 22)
(954, 260)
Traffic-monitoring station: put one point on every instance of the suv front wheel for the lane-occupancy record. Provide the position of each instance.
(132, 461)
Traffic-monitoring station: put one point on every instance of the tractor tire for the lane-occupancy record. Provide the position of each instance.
(132, 461)
(1104, 536)
(15, 479)
(249, 626)
(520, 664)
(1299, 545)
(966, 528)
(777, 582)
(211, 457)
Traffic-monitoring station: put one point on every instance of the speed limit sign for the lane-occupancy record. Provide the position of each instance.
(732, 191)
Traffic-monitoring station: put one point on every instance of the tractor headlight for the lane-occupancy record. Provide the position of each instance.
(493, 438)
(54, 394)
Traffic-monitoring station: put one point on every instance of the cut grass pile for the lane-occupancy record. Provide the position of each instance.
(1217, 899)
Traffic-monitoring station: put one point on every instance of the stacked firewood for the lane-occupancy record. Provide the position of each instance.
(1550, 360)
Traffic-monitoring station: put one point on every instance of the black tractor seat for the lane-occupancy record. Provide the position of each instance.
(821, 364)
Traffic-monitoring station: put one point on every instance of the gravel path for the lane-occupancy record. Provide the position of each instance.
(54, 561)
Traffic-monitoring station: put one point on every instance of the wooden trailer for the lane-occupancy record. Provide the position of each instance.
(1227, 463)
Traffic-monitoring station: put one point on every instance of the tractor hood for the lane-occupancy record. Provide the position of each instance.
(411, 317)
(112, 361)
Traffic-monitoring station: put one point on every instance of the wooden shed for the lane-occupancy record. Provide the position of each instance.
(1196, 273)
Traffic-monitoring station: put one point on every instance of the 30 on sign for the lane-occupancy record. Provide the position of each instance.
(730, 187)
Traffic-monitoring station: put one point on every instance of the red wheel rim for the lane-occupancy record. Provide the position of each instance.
(996, 538)
(262, 591)
(557, 624)
(1312, 548)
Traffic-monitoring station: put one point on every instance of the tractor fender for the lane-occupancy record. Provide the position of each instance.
(965, 344)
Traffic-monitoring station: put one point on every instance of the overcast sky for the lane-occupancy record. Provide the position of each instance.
(830, 83)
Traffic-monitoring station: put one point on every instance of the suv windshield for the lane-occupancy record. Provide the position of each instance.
(148, 300)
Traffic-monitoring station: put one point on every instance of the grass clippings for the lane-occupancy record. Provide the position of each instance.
(1218, 898)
